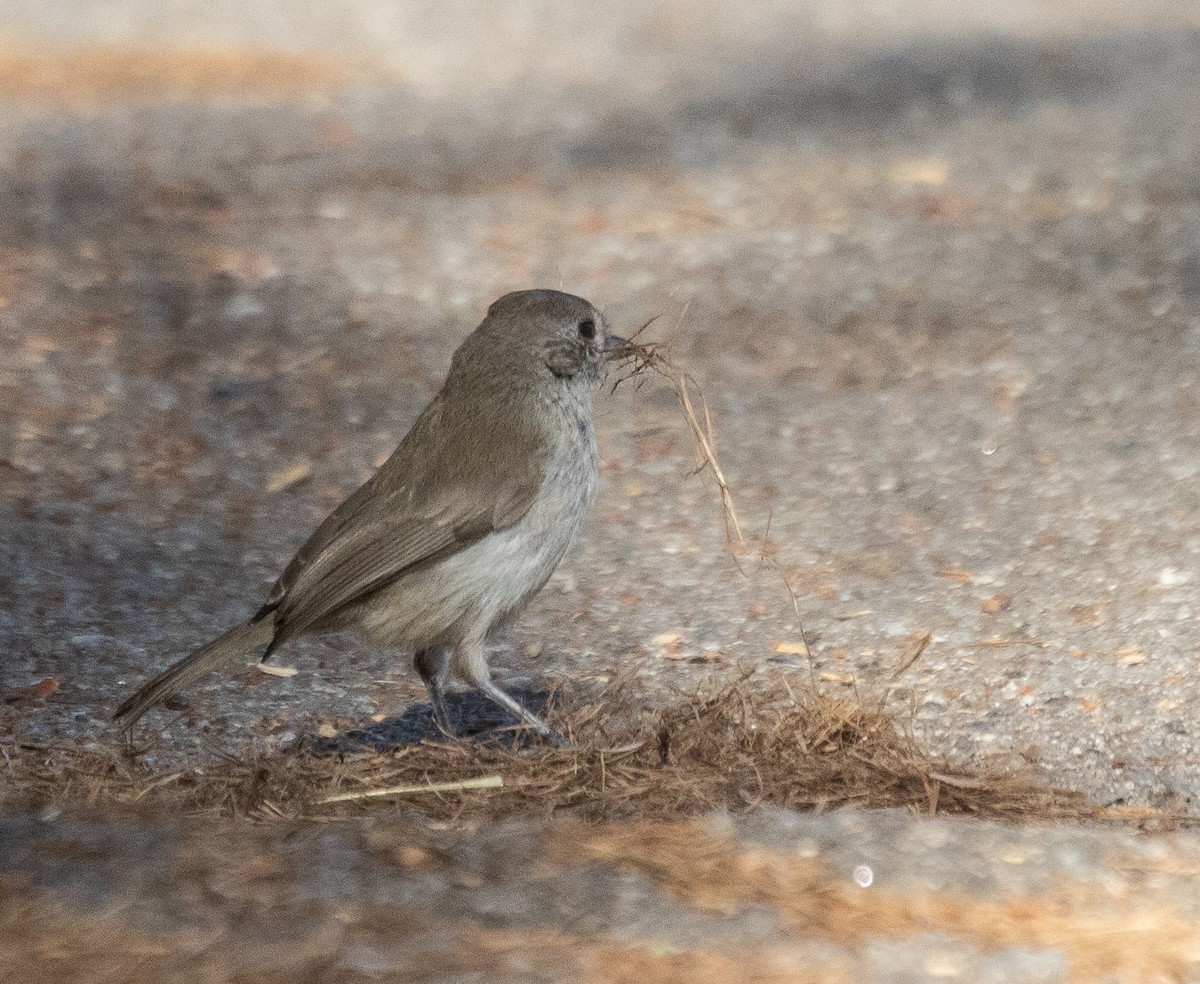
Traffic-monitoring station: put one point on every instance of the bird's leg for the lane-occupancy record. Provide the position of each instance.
(524, 714)
(470, 664)
(433, 665)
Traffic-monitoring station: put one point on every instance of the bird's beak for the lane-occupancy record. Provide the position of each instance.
(616, 346)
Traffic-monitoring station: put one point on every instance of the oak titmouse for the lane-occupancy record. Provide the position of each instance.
(463, 524)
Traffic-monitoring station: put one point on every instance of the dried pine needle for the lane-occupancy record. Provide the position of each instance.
(730, 749)
(639, 357)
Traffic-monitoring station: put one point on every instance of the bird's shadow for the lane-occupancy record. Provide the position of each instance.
(473, 716)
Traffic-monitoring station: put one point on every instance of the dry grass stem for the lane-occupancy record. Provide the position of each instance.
(482, 782)
(640, 357)
(922, 643)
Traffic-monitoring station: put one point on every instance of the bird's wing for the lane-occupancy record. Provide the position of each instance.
(432, 498)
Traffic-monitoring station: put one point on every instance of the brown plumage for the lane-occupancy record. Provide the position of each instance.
(463, 524)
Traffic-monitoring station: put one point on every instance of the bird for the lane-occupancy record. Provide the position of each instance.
(461, 526)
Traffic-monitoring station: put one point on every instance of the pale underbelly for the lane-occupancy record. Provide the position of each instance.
(464, 595)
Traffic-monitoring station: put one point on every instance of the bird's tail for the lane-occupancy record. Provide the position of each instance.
(237, 645)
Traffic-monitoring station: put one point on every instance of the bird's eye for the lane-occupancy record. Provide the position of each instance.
(587, 328)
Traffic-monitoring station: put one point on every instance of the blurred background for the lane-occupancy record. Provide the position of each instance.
(935, 266)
